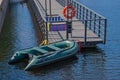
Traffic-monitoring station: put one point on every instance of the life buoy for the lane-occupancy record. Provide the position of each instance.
(71, 12)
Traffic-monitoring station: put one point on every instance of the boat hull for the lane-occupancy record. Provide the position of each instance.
(47, 54)
(29, 67)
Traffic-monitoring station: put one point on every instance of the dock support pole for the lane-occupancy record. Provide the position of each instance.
(67, 35)
(85, 34)
(68, 23)
(46, 21)
(50, 12)
(105, 31)
(67, 30)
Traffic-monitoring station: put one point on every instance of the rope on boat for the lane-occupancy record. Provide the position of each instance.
(44, 43)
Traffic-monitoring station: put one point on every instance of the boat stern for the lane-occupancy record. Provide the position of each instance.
(32, 64)
(17, 57)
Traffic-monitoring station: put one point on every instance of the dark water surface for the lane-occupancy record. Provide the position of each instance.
(102, 63)
(111, 10)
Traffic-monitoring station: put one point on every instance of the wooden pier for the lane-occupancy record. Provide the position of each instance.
(88, 26)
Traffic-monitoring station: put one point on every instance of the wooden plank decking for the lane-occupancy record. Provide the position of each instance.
(78, 28)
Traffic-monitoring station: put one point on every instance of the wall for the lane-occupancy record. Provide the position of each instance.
(3, 9)
(38, 19)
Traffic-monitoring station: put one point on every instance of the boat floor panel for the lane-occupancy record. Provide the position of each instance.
(41, 50)
(53, 47)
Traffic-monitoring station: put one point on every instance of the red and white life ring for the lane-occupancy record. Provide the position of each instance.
(71, 12)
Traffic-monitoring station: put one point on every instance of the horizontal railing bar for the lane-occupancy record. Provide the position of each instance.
(43, 17)
(89, 9)
(41, 6)
(76, 20)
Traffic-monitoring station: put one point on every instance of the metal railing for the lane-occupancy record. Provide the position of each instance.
(39, 13)
(62, 2)
(40, 9)
(92, 20)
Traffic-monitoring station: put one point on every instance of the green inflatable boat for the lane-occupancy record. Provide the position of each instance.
(43, 55)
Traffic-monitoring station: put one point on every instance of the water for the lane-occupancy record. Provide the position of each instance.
(102, 63)
(111, 10)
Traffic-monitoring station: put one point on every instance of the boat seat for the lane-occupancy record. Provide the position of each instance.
(54, 47)
(40, 50)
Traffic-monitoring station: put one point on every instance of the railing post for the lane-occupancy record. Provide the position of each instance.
(99, 23)
(77, 9)
(105, 31)
(86, 14)
(90, 20)
(85, 34)
(80, 12)
(83, 14)
(94, 23)
(46, 21)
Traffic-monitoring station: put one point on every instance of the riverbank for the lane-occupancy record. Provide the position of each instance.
(3, 9)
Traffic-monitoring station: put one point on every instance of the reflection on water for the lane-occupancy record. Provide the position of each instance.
(19, 33)
(93, 65)
(109, 9)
